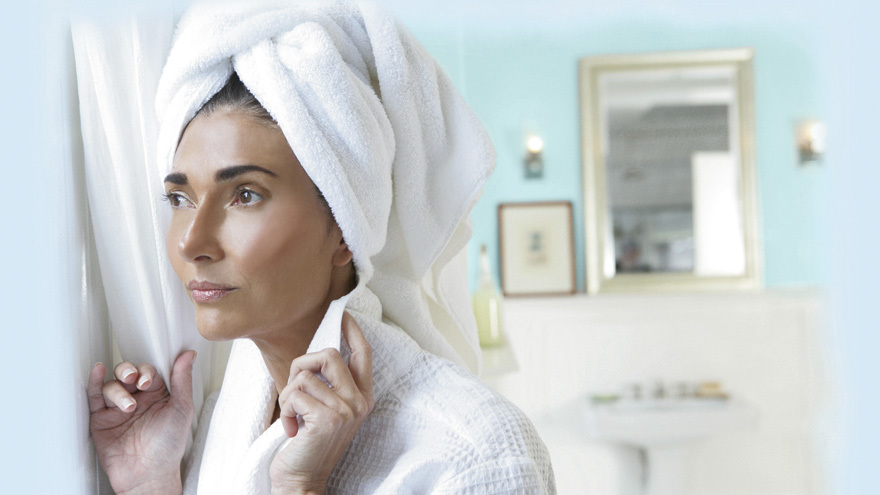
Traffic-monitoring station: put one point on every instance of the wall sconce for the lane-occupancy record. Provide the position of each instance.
(534, 162)
(811, 136)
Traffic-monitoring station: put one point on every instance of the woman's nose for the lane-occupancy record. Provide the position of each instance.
(200, 242)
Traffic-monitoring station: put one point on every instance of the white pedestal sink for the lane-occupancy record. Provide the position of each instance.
(664, 430)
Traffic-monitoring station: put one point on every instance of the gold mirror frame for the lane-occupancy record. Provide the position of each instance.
(596, 207)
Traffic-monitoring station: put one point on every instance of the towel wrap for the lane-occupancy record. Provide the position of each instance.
(377, 126)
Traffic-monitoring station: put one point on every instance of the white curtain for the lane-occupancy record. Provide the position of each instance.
(118, 61)
(54, 313)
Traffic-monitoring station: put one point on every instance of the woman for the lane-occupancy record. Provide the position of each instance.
(321, 169)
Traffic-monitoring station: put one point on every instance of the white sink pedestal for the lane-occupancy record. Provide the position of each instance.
(664, 431)
(667, 470)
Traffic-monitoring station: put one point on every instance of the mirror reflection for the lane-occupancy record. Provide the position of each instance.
(667, 136)
(667, 169)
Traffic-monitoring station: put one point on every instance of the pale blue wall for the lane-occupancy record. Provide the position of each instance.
(526, 81)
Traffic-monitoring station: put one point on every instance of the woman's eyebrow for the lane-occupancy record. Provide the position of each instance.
(222, 175)
(228, 173)
(176, 178)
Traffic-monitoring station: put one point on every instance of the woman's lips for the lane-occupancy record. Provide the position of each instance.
(203, 292)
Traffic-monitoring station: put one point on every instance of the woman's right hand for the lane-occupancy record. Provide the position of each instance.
(139, 427)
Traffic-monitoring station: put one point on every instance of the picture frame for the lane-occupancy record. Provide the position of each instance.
(536, 248)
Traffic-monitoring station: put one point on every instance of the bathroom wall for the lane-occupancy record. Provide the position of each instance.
(521, 79)
(766, 348)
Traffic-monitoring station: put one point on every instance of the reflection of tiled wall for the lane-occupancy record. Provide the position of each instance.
(765, 348)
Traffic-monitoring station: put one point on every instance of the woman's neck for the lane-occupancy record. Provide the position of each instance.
(279, 351)
(281, 348)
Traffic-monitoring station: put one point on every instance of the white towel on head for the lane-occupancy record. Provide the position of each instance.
(377, 126)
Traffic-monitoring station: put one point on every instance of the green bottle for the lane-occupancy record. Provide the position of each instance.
(487, 305)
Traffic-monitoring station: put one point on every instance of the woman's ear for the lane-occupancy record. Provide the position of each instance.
(342, 255)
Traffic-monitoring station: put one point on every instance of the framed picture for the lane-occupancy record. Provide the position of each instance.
(536, 247)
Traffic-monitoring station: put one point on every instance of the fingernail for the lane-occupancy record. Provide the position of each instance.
(142, 380)
(195, 355)
(127, 404)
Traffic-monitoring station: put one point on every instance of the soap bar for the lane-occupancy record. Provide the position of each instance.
(710, 390)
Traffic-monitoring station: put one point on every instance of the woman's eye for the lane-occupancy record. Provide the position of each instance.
(247, 197)
(177, 200)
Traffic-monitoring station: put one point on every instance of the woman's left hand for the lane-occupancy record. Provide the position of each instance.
(331, 416)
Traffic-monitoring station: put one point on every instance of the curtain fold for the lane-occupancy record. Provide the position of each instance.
(118, 63)
(74, 333)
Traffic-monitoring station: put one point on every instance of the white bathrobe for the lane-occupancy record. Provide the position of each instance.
(435, 427)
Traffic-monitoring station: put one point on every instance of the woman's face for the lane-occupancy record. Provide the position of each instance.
(249, 237)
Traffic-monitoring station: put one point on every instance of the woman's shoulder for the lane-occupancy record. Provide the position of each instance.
(457, 431)
(460, 406)
(446, 392)
(433, 398)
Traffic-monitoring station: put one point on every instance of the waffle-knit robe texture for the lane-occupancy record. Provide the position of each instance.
(435, 427)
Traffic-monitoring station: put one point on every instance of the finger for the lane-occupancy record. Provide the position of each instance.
(332, 367)
(360, 362)
(312, 411)
(307, 382)
(96, 383)
(126, 373)
(148, 378)
(181, 380)
(115, 395)
(291, 425)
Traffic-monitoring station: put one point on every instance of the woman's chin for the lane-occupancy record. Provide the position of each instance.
(216, 331)
(215, 336)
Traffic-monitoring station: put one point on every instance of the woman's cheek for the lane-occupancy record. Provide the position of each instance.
(172, 241)
(252, 239)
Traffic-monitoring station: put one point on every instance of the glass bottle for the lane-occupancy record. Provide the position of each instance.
(487, 305)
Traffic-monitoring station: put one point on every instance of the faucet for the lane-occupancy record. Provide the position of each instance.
(659, 390)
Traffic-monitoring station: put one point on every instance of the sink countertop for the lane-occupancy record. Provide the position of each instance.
(665, 422)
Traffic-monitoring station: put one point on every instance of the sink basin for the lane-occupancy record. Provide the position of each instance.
(663, 430)
(665, 422)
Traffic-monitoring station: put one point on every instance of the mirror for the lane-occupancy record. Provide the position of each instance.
(669, 172)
